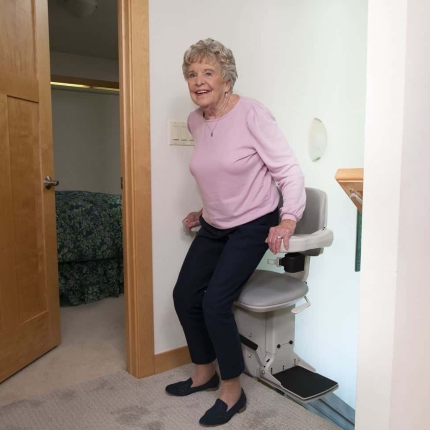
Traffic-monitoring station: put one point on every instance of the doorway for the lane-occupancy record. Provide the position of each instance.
(133, 61)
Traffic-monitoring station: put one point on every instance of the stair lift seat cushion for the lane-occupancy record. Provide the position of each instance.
(268, 291)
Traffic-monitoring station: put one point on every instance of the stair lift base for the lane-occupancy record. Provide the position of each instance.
(268, 351)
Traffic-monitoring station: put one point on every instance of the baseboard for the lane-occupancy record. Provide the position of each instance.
(171, 359)
(333, 409)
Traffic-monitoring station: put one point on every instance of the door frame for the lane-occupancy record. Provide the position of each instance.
(133, 41)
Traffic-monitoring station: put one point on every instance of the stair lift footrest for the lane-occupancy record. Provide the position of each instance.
(305, 385)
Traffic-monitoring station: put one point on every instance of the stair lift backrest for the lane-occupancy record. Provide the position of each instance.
(314, 217)
(315, 214)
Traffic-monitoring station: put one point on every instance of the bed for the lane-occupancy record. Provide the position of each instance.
(89, 243)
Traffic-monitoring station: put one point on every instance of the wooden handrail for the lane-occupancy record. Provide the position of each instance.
(351, 180)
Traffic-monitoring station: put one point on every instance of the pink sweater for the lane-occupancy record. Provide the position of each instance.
(237, 168)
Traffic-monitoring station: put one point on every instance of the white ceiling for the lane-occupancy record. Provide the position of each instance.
(95, 36)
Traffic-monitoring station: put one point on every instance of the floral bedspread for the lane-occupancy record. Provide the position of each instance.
(89, 245)
(89, 226)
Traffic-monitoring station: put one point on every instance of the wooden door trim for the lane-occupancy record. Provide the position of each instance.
(136, 173)
(47, 159)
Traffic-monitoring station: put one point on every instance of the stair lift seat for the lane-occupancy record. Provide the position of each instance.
(269, 291)
(266, 308)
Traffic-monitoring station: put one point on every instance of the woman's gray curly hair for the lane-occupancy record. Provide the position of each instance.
(213, 52)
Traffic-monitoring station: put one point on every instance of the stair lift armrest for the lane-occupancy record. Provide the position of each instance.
(301, 242)
(306, 242)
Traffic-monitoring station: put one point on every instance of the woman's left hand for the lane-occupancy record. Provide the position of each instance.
(280, 233)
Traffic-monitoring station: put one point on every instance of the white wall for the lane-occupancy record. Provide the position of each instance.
(86, 140)
(86, 126)
(84, 67)
(303, 60)
(394, 345)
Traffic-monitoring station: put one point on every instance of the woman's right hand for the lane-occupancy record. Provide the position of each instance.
(191, 220)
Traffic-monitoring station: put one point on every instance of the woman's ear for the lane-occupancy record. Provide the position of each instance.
(227, 87)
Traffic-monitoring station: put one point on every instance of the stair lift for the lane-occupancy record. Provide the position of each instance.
(266, 308)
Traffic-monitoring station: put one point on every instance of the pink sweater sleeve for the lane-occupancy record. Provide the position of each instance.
(279, 158)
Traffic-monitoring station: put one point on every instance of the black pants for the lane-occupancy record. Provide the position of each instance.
(218, 264)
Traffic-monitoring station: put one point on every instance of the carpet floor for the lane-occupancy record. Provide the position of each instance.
(92, 345)
(120, 402)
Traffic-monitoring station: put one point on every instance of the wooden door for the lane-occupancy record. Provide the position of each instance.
(29, 304)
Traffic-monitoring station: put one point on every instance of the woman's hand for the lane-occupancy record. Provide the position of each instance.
(281, 232)
(191, 220)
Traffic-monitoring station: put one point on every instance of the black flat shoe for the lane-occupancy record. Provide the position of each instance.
(184, 388)
(218, 414)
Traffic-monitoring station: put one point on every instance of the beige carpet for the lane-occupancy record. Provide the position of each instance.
(92, 345)
(119, 401)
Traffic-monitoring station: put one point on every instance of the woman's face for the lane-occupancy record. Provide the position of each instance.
(206, 85)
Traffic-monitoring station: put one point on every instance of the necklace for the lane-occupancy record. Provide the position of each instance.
(211, 129)
(220, 116)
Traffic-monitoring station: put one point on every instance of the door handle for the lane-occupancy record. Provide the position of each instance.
(49, 182)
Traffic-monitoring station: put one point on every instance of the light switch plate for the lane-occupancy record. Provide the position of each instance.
(179, 134)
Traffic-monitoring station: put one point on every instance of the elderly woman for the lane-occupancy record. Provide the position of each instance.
(240, 161)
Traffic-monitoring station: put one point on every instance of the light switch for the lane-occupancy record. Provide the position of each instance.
(175, 132)
(184, 132)
(179, 134)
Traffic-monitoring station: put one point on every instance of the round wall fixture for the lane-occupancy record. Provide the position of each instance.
(317, 141)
